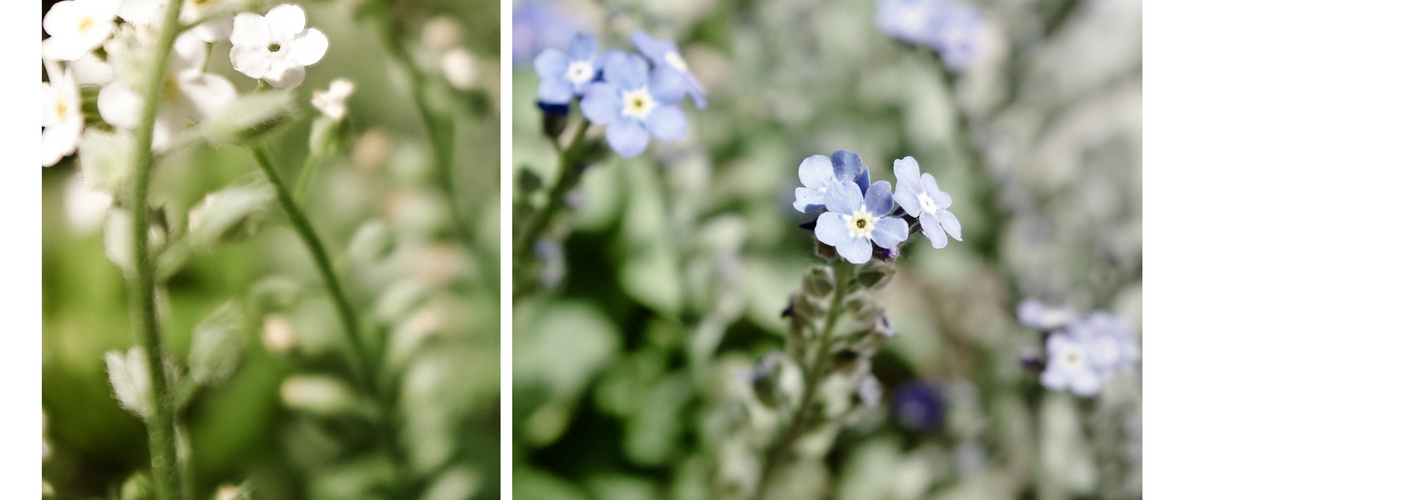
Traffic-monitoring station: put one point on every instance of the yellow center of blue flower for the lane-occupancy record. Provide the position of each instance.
(860, 223)
(638, 103)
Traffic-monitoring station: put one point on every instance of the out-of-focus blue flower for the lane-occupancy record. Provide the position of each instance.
(919, 406)
(1108, 340)
(1036, 315)
(907, 20)
(665, 56)
(869, 391)
(1070, 367)
(551, 253)
(919, 196)
(537, 26)
(819, 173)
(635, 103)
(955, 34)
(565, 75)
(854, 220)
(883, 327)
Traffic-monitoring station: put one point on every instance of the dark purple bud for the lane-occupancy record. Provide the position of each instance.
(919, 406)
(553, 118)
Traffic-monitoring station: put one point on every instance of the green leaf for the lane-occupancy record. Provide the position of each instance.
(105, 158)
(229, 215)
(216, 348)
(249, 116)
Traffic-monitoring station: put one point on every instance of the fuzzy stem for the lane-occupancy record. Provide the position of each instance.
(813, 374)
(304, 177)
(567, 177)
(141, 288)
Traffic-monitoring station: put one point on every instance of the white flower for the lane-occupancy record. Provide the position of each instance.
(91, 70)
(147, 14)
(63, 115)
(459, 68)
(76, 27)
(332, 102)
(274, 47)
(188, 94)
(84, 206)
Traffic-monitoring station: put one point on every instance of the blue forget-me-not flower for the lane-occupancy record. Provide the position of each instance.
(819, 174)
(907, 20)
(1108, 341)
(565, 75)
(855, 220)
(537, 26)
(635, 103)
(955, 34)
(1070, 366)
(665, 56)
(1042, 317)
(920, 197)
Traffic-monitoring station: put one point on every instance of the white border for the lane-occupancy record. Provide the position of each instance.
(505, 241)
(20, 267)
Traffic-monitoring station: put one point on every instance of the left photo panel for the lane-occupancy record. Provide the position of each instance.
(270, 249)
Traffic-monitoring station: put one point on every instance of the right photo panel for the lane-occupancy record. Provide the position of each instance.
(822, 249)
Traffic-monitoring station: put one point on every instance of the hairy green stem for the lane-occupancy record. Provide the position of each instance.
(141, 288)
(304, 177)
(567, 177)
(814, 371)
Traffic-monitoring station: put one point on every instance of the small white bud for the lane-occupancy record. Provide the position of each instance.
(332, 102)
(440, 33)
(318, 395)
(459, 68)
(372, 242)
(278, 335)
(131, 380)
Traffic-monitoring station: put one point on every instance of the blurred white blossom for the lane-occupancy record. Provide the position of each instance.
(187, 95)
(332, 102)
(276, 46)
(84, 206)
(459, 68)
(76, 27)
(63, 115)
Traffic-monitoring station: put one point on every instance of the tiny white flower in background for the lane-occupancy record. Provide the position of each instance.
(84, 206)
(76, 27)
(214, 30)
(91, 70)
(459, 68)
(276, 46)
(63, 115)
(145, 13)
(440, 33)
(187, 95)
(332, 102)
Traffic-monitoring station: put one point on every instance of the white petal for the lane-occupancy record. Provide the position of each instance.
(49, 97)
(251, 60)
(59, 142)
(285, 21)
(308, 48)
(187, 55)
(217, 30)
(62, 19)
(140, 12)
(119, 106)
(208, 94)
(250, 30)
(290, 77)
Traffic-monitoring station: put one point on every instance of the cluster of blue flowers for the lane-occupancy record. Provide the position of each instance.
(636, 100)
(949, 28)
(858, 214)
(1082, 352)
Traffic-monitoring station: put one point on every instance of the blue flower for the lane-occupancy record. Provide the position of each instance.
(819, 174)
(537, 26)
(919, 406)
(907, 20)
(1070, 367)
(665, 55)
(955, 34)
(1036, 315)
(635, 104)
(919, 196)
(855, 220)
(566, 75)
(1108, 340)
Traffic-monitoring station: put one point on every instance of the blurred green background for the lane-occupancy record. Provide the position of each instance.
(680, 261)
(448, 385)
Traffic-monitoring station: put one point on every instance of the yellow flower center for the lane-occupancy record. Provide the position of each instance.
(638, 103)
(61, 108)
(861, 223)
(170, 90)
(85, 23)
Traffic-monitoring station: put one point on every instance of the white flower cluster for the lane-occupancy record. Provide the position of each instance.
(273, 47)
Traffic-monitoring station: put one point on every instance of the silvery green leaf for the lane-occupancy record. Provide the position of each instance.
(131, 380)
(373, 241)
(248, 116)
(105, 159)
(117, 239)
(320, 395)
(216, 347)
(229, 215)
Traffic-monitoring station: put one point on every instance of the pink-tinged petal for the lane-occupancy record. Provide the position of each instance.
(250, 30)
(285, 21)
(252, 61)
(309, 48)
(119, 106)
(816, 171)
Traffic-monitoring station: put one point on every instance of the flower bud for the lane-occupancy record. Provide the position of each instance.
(882, 327)
(554, 118)
(824, 251)
(131, 380)
(372, 242)
(216, 347)
(278, 334)
(765, 380)
(819, 281)
(862, 307)
(460, 68)
(807, 306)
(229, 215)
(319, 395)
(876, 274)
(137, 487)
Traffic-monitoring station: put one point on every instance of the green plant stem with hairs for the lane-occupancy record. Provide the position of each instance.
(814, 371)
(567, 178)
(141, 286)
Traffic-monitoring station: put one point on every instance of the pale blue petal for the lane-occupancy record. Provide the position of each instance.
(602, 103)
(816, 171)
(908, 173)
(626, 71)
(878, 199)
(928, 184)
(695, 90)
(652, 47)
(907, 199)
(932, 229)
(941, 198)
(555, 90)
(627, 137)
(667, 85)
(864, 181)
(847, 165)
(551, 63)
(830, 229)
(949, 223)
(888, 232)
(855, 250)
(843, 197)
(582, 47)
(667, 122)
(808, 200)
